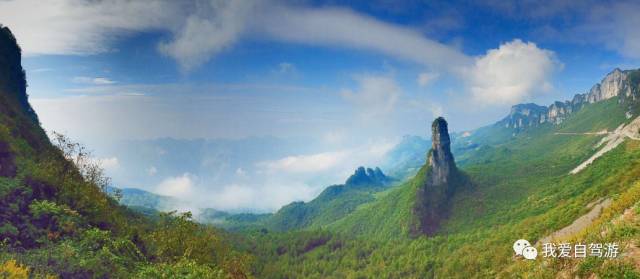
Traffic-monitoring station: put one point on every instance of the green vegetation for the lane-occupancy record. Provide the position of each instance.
(521, 189)
(57, 221)
(334, 203)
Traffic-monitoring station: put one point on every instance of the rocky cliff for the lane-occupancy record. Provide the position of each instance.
(367, 177)
(441, 179)
(618, 83)
(440, 159)
(13, 83)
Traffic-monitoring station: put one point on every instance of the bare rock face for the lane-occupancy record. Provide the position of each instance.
(525, 115)
(617, 83)
(13, 82)
(441, 160)
(614, 84)
(442, 179)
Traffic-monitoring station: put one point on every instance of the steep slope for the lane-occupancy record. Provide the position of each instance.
(418, 206)
(442, 180)
(55, 219)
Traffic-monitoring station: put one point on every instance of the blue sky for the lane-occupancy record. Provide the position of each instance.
(341, 75)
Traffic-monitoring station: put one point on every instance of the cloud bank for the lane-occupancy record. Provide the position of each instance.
(513, 72)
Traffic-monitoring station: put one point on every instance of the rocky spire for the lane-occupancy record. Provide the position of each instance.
(440, 157)
(441, 180)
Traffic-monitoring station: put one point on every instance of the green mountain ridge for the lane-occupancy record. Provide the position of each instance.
(520, 188)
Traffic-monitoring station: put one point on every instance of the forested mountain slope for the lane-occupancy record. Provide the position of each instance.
(56, 220)
(520, 186)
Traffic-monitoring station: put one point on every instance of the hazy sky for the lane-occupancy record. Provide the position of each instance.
(353, 76)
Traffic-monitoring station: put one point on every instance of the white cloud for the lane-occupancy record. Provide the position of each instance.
(425, 78)
(93, 81)
(181, 187)
(305, 163)
(108, 164)
(301, 177)
(205, 28)
(344, 28)
(264, 197)
(215, 26)
(81, 27)
(511, 73)
(376, 95)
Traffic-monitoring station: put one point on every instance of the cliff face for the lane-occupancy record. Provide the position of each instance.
(440, 160)
(525, 115)
(13, 83)
(442, 178)
(616, 83)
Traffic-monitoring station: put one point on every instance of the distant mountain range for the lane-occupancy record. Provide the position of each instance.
(332, 204)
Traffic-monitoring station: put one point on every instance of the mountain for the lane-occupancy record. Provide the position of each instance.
(137, 198)
(572, 177)
(333, 203)
(618, 83)
(56, 221)
(417, 206)
(442, 180)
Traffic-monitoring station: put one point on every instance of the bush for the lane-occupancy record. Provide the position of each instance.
(184, 268)
(12, 270)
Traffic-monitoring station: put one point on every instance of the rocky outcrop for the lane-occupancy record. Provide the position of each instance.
(367, 177)
(525, 115)
(441, 180)
(13, 83)
(617, 83)
(614, 84)
(440, 159)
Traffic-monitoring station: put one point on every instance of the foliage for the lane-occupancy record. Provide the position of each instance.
(12, 270)
(181, 269)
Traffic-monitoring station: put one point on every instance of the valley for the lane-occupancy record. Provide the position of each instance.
(448, 205)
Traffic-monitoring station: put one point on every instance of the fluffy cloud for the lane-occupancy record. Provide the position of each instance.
(376, 95)
(215, 26)
(180, 187)
(511, 73)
